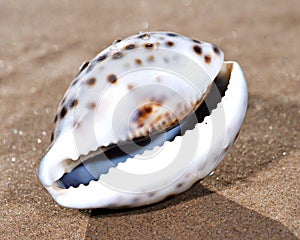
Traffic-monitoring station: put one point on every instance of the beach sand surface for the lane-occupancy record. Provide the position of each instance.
(254, 193)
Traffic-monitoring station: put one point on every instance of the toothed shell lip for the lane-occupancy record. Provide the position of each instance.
(100, 194)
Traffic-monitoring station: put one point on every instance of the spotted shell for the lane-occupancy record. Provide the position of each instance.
(130, 129)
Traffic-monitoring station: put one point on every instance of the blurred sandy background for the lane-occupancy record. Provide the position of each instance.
(254, 194)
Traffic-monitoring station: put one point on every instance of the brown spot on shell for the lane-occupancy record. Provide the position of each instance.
(216, 50)
(52, 136)
(147, 109)
(179, 185)
(144, 36)
(151, 58)
(198, 49)
(117, 55)
(91, 82)
(101, 58)
(83, 66)
(145, 113)
(196, 41)
(112, 78)
(138, 61)
(142, 113)
(63, 112)
(74, 103)
(129, 87)
(149, 46)
(207, 59)
(170, 43)
(129, 47)
(92, 105)
(172, 34)
(168, 116)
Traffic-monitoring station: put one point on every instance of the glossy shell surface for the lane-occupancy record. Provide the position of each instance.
(150, 84)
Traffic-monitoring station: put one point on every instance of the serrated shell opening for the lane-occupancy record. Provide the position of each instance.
(92, 166)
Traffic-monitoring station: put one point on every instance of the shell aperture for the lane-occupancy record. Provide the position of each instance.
(101, 163)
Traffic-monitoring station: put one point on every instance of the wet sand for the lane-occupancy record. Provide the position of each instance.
(254, 193)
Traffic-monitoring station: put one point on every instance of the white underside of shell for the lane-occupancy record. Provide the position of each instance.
(165, 170)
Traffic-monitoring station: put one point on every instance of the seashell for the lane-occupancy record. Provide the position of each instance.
(147, 118)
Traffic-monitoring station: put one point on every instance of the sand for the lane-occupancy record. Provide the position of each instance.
(254, 193)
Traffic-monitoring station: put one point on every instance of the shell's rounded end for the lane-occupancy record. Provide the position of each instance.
(58, 159)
